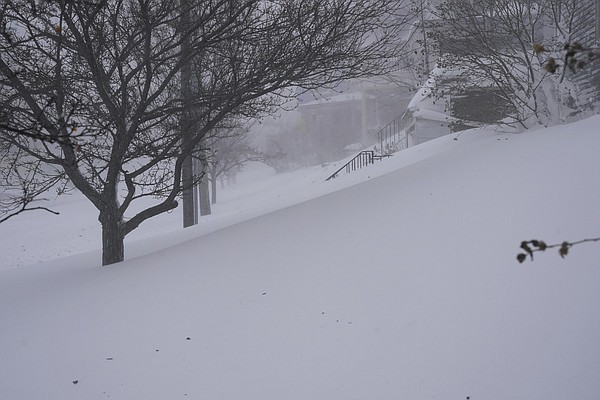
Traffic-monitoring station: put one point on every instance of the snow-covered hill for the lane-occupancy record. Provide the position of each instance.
(397, 282)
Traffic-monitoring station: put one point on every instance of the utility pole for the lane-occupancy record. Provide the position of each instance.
(364, 115)
(425, 39)
(203, 191)
(189, 195)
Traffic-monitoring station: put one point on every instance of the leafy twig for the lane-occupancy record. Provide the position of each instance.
(576, 57)
(533, 246)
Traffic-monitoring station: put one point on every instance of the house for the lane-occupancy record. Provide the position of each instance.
(452, 101)
(340, 123)
(454, 98)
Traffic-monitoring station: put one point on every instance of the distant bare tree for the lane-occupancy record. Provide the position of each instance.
(114, 67)
(228, 152)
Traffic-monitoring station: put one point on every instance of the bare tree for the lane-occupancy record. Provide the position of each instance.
(228, 152)
(115, 67)
(22, 186)
(489, 44)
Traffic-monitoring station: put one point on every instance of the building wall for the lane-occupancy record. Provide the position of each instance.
(587, 32)
(341, 123)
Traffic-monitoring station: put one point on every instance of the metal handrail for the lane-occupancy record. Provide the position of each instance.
(394, 136)
(362, 159)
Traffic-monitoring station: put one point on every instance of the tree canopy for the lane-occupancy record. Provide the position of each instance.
(101, 82)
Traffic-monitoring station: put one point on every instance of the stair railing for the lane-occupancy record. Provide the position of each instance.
(362, 159)
(394, 136)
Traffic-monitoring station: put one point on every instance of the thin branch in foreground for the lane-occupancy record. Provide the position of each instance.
(533, 246)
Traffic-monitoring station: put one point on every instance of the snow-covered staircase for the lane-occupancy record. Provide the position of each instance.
(390, 139)
(394, 136)
(362, 159)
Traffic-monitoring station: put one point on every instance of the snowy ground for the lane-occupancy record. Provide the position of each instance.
(396, 282)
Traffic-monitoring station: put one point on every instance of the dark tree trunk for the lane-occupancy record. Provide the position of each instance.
(213, 190)
(113, 235)
(187, 133)
(204, 196)
(188, 195)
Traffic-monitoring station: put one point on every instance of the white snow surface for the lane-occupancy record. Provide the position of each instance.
(398, 281)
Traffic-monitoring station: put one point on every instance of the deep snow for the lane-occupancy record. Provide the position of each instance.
(396, 282)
